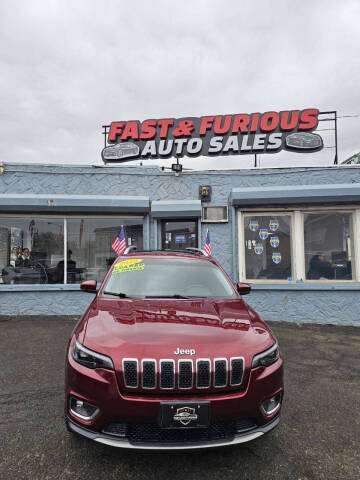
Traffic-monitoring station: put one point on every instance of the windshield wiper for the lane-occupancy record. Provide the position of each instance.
(124, 295)
(176, 295)
(120, 294)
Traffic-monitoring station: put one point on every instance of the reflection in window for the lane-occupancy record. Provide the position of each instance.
(328, 246)
(89, 245)
(268, 247)
(179, 235)
(30, 249)
(161, 277)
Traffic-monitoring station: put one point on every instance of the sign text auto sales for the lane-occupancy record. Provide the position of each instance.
(267, 132)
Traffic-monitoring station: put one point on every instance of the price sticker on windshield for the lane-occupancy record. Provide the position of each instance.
(131, 265)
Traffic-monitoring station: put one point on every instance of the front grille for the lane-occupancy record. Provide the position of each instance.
(130, 369)
(201, 374)
(237, 371)
(185, 374)
(152, 433)
(220, 372)
(148, 377)
(167, 374)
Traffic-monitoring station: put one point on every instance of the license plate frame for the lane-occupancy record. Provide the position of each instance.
(184, 415)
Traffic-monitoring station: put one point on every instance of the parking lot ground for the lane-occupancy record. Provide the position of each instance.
(318, 437)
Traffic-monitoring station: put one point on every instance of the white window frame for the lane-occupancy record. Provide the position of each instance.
(298, 240)
(65, 218)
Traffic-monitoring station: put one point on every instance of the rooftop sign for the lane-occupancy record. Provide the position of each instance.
(239, 134)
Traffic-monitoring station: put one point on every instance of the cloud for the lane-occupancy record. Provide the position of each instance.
(70, 67)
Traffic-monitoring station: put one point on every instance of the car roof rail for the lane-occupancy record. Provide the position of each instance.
(129, 249)
(188, 250)
(199, 251)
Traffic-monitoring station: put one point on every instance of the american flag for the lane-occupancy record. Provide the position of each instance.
(207, 246)
(119, 243)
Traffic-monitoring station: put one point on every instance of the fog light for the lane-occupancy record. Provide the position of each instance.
(271, 405)
(82, 409)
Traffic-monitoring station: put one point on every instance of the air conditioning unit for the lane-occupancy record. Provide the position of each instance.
(215, 214)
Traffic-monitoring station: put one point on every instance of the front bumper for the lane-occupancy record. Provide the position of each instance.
(99, 387)
(125, 443)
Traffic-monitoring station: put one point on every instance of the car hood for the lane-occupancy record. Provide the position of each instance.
(141, 328)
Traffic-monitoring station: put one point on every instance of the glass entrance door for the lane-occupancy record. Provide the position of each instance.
(179, 235)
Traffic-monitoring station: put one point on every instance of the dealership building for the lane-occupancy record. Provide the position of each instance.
(292, 233)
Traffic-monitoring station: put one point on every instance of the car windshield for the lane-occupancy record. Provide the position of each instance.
(168, 278)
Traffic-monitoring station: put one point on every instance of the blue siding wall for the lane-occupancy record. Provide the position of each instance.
(324, 306)
(338, 308)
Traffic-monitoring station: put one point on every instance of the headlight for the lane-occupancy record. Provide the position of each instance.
(266, 358)
(89, 358)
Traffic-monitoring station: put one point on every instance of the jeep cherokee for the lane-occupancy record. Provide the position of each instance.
(169, 356)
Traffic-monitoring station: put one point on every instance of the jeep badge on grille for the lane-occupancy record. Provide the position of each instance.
(184, 351)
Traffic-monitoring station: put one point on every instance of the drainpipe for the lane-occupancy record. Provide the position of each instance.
(147, 244)
(199, 232)
(235, 276)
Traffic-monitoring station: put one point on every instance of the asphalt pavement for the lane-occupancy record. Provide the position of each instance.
(318, 437)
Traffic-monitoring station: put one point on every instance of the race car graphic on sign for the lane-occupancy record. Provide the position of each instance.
(304, 141)
(120, 151)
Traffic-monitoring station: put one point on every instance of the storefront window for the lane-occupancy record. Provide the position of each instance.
(89, 245)
(268, 247)
(179, 235)
(32, 249)
(328, 246)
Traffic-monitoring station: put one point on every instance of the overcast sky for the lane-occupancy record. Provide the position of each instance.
(69, 67)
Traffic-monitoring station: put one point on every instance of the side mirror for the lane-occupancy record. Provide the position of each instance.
(243, 288)
(88, 286)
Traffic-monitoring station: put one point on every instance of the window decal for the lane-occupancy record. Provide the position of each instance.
(131, 265)
(274, 241)
(273, 225)
(276, 257)
(263, 233)
(254, 225)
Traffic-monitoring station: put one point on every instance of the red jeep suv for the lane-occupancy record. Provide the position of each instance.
(169, 356)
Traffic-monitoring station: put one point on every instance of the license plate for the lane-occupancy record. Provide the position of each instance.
(184, 414)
